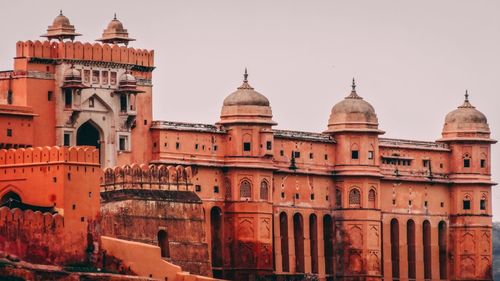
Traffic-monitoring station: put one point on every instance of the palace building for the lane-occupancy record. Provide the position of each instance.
(82, 159)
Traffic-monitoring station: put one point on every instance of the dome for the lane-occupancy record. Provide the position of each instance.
(61, 21)
(61, 29)
(127, 77)
(353, 114)
(465, 122)
(115, 33)
(246, 105)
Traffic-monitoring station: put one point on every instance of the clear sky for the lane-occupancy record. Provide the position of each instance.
(412, 60)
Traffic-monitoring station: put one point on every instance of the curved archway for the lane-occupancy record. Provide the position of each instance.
(10, 198)
(88, 134)
(395, 248)
(298, 237)
(285, 264)
(216, 238)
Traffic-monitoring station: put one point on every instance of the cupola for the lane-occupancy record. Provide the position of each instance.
(128, 84)
(353, 114)
(73, 79)
(115, 33)
(466, 123)
(61, 29)
(246, 105)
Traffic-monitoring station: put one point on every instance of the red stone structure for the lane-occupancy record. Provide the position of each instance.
(239, 199)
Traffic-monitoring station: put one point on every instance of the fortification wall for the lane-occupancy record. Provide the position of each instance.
(39, 237)
(44, 155)
(84, 51)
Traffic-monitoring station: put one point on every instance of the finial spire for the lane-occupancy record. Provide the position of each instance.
(466, 95)
(353, 85)
(60, 12)
(245, 76)
(114, 17)
(466, 103)
(353, 94)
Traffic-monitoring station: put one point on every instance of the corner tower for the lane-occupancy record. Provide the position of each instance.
(467, 133)
(353, 124)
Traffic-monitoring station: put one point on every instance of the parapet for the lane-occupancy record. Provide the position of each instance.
(144, 176)
(46, 154)
(85, 51)
(45, 222)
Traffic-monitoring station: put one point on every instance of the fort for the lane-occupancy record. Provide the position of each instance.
(92, 188)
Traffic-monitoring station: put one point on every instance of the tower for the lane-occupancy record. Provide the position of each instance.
(353, 124)
(467, 133)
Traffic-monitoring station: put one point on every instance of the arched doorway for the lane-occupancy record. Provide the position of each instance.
(298, 236)
(10, 198)
(88, 135)
(163, 244)
(216, 237)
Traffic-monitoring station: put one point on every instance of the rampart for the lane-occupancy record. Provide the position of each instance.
(44, 155)
(84, 51)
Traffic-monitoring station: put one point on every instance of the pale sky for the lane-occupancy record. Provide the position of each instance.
(412, 60)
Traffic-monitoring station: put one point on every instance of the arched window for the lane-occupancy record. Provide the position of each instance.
(298, 237)
(338, 198)
(284, 242)
(466, 159)
(482, 202)
(10, 198)
(264, 190)
(410, 238)
(216, 236)
(313, 233)
(426, 233)
(163, 244)
(395, 248)
(245, 189)
(442, 242)
(328, 243)
(372, 196)
(466, 202)
(354, 197)
(227, 185)
(354, 152)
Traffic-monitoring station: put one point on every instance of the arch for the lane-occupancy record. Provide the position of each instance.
(442, 243)
(328, 243)
(245, 189)
(227, 185)
(313, 236)
(410, 241)
(426, 231)
(264, 190)
(372, 198)
(395, 248)
(298, 238)
(10, 198)
(163, 243)
(285, 263)
(89, 134)
(483, 203)
(467, 202)
(216, 237)
(354, 197)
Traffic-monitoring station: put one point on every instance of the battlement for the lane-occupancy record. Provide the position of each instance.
(144, 176)
(44, 155)
(84, 51)
(42, 222)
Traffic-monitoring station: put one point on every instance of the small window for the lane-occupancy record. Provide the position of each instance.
(9, 132)
(177, 145)
(216, 189)
(393, 201)
(104, 77)
(442, 204)
(370, 155)
(86, 76)
(326, 198)
(297, 196)
(269, 145)
(215, 147)
(426, 163)
(68, 98)
(483, 163)
(123, 103)
(123, 143)
(10, 97)
(466, 163)
(425, 204)
(282, 153)
(312, 196)
(91, 102)
(354, 197)
(409, 202)
(296, 154)
(264, 190)
(196, 146)
(245, 189)
(326, 156)
(482, 204)
(49, 95)
(145, 122)
(95, 76)
(354, 154)
(311, 155)
(197, 188)
(466, 203)
(282, 194)
(246, 146)
(67, 139)
(112, 79)
(338, 198)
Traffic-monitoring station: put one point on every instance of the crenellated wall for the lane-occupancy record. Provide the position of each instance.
(84, 51)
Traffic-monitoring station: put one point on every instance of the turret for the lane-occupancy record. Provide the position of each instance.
(61, 29)
(115, 33)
